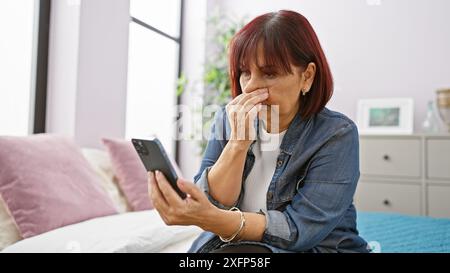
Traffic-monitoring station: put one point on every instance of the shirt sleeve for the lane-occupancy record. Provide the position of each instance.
(318, 207)
(214, 147)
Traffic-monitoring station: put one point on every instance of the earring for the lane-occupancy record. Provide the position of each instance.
(304, 92)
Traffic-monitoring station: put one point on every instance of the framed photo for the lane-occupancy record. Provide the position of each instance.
(394, 116)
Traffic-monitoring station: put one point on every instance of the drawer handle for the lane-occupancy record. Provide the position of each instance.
(386, 157)
(386, 202)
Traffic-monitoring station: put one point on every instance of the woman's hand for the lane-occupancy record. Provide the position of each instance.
(241, 113)
(195, 209)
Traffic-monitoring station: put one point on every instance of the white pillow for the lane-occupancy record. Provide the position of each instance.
(131, 232)
(9, 233)
(101, 163)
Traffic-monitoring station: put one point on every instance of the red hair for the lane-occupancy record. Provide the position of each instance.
(287, 38)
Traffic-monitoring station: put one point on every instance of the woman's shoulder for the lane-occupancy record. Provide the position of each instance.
(334, 121)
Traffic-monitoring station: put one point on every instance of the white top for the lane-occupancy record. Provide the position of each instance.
(266, 150)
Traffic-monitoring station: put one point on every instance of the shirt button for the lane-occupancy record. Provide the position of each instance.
(269, 195)
(279, 163)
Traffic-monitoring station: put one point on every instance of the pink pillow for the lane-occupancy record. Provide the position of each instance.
(131, 173)
(47, 183)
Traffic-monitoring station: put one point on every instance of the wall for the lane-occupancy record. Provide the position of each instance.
(88, 69)
(376, 48)
(193, 52)
(62, 67)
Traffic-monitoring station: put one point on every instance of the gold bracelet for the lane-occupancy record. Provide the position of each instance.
(241, 226)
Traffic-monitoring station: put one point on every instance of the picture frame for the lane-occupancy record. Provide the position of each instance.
(392, 116)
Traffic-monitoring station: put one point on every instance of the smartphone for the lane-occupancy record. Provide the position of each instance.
(154, 157)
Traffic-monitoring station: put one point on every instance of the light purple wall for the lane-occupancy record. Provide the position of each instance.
(102, 70)
(193, 59)
(376, 48)
(62, 68)
(88, 69)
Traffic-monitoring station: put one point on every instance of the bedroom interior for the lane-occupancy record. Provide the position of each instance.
(83, 77)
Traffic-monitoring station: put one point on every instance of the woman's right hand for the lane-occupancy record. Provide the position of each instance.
(241, 113)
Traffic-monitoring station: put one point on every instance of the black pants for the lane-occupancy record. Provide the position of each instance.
(242, 249)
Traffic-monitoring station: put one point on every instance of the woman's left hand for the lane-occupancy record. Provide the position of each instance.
(195, 209)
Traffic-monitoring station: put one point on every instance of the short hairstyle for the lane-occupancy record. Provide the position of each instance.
(287, 38)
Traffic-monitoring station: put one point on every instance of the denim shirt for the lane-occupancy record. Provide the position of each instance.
(310, 197)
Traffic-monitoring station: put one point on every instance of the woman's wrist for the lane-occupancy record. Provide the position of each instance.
(225, 223)
(222, 222)
(236, 236)
(239, 145)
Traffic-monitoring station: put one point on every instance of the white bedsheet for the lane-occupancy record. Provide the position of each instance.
(128, 232)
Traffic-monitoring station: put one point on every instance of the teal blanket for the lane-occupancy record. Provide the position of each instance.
(390, 233)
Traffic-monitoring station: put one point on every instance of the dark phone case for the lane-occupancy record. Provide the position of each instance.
(154, 157)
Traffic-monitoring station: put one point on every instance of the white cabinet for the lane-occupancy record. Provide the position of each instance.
(405, 174)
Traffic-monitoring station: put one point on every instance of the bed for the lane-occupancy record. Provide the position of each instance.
(138, 232)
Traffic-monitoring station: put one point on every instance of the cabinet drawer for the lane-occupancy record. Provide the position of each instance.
(438, 201)
(390, 157)
(438, 155)
(384, 197)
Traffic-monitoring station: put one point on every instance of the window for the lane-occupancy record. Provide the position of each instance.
(153, 68)
(17, 52)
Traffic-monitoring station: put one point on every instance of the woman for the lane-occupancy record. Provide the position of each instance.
(280, 180)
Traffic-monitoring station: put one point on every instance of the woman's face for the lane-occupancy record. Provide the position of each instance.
(284, 88)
